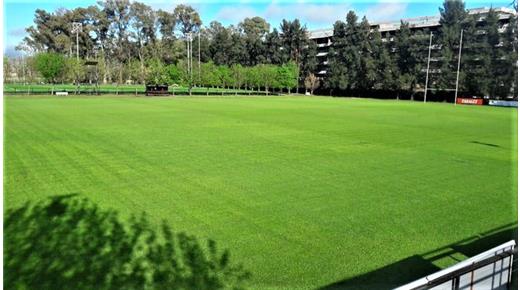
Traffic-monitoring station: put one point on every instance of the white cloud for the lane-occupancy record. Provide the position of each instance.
(323, 14)
(386, 11)
(235, 13)
(308, 13)
(17, 32)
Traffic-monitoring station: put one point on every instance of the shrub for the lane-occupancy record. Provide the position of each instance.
(50, 65)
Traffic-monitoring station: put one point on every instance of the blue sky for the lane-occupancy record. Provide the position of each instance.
(18, 14)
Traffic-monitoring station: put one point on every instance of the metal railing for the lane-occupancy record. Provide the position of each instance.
(489, 270)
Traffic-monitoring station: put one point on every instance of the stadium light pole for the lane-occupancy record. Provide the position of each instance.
(76, 28)
(199, 55)
(190, 55)
(458, 66)
(428, 67)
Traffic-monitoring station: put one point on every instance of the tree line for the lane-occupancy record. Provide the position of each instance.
(130, 40)
(128, 37)
(261, 78)
(361, 58)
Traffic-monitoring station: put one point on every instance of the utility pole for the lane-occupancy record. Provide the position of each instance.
(428, 67)
(199, 58)
(458, 67)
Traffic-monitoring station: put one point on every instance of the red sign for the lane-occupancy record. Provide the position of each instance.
(467, 101)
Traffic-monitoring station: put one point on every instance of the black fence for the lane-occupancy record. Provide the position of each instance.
(136, 92)
(491, 270)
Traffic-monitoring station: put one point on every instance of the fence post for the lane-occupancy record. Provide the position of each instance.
(136, 92)
(28, 90)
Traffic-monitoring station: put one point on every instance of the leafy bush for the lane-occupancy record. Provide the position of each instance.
(50, 65)
(158, 73)
(69, 243)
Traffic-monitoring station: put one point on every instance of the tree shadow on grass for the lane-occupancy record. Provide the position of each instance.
(68, 242)
(388, 277)
(418, 266)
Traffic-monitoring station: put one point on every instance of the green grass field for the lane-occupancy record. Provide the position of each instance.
(305, 192)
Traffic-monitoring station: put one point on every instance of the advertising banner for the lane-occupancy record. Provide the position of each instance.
(503, 103)
(468, 101)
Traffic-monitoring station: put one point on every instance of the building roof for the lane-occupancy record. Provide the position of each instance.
(416, 22)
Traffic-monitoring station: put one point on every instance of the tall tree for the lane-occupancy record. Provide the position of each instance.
(475, 60)
(220, 43)
(337, 72)
(511, 48)
(118, 15)
(294, 41)
(386, 67)
(367, 74)
(237, 53)
(309, 59)
(407, 62)
(351, 51)
(453, 14)
(142, 19)
(100, 29)
(167, 45)
(255, 30)
(274, 48)
(187, 19)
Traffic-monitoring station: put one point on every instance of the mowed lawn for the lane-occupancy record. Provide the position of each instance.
(304, 191)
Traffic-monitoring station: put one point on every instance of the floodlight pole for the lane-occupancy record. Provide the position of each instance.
(190, 57)
(76, 27)
(199, 57)
(77, 46)
(458, 67)
(23, 70)
(188, 51)
(428, 67)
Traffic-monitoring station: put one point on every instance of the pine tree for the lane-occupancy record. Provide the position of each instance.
(453, 14)
(366, 77)
(337, 71)
(386, 66)
(494, 64)
(510, 47)
(350, 53)
(406, 61)
(275, 55)
(309, 59)
(475, 54)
